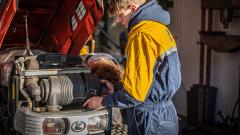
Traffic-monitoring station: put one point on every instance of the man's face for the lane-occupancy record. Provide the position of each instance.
(124, 16)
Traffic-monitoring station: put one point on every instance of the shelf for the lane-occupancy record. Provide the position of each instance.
(221, 4)
(221, 42)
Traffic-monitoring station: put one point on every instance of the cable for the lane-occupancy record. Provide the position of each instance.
(109, 38)
(235, 107)
(234, 110)
(28, 51)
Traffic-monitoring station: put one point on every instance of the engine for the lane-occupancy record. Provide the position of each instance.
(47, 91)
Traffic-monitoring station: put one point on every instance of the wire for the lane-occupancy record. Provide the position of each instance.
(109, 38)
(234, 110)
(28, 51)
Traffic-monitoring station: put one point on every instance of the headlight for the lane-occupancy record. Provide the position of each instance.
(55, 126)
(97, 123)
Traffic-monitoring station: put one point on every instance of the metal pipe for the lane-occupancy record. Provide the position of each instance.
(209, 51)
(28, 51)
(202, 48)
(24, 93)
(107, 35)
(55, 94)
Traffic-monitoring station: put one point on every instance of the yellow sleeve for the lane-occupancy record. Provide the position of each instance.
(141, 57)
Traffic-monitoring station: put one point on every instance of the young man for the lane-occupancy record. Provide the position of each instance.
(152, 73)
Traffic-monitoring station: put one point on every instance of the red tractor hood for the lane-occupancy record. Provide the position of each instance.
(53, 25)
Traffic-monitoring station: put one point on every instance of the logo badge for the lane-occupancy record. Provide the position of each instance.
(78, 126)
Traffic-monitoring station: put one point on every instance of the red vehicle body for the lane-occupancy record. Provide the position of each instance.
(42, 90)
(50, 23)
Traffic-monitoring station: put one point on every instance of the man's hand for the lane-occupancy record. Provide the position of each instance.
(94, 103)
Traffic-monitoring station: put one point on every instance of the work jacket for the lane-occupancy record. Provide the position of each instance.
(151, 76)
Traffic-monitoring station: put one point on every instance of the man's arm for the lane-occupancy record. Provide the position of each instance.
(138, 74)
(119, 99)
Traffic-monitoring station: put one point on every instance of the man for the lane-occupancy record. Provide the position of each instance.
(152, 73)
(106, 67)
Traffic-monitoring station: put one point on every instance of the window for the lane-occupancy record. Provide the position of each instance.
(73, 23)
(81, 10)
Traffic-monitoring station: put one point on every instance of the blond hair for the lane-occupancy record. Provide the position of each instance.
(117, 5)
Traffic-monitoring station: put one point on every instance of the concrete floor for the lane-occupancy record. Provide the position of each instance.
(186, 129)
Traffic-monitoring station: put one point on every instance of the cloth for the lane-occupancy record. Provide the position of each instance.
(151, 77)
(96, 56)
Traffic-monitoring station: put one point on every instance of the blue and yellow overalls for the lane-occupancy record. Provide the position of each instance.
(151, 76)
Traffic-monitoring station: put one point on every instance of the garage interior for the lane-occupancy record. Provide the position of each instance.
(207, 33)
(207, 36)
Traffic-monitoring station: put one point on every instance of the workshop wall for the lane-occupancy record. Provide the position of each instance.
(185, 26)
(186, 23)
(225, 70)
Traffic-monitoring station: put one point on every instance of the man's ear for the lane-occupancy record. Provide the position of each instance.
(134, 7)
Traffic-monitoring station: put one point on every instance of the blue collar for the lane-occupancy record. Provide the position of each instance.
(151, 11)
